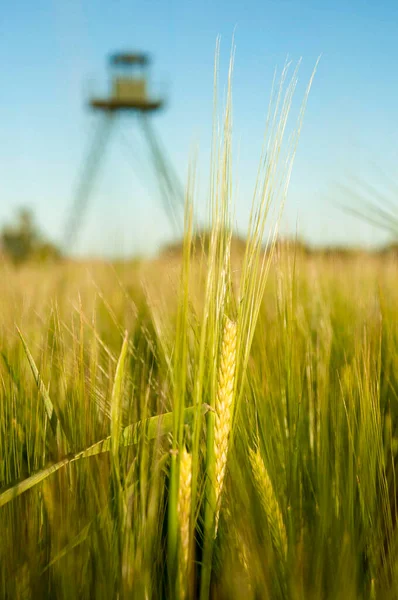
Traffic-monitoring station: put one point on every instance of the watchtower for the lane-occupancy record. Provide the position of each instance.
(129, 93)
(129, 85)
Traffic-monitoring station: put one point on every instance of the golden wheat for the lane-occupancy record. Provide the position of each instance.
(184, 510)
(224, 406)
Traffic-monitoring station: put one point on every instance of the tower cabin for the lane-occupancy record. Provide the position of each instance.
(129, 85)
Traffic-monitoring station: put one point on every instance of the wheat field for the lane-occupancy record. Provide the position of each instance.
(307, 506)
(217, 423)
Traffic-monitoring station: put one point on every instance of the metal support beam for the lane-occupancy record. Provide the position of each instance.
(171, 191)
(87, 178)
(169, 186)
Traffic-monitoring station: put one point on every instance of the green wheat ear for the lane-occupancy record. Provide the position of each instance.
(269, 503)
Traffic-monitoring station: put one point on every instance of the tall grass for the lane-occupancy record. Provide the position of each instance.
(209, 425)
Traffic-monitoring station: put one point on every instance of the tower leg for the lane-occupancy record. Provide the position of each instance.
(170, 189)
(86, 181)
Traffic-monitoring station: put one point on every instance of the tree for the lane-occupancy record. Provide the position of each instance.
(23, 241)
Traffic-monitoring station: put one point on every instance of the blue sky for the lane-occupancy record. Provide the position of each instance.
(52, 51)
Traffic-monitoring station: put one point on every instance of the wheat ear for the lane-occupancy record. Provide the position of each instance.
(239, 544)
(224, 406)
(269, 502)
(184, 511)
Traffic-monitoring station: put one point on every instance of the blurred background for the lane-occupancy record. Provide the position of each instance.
(54, 58)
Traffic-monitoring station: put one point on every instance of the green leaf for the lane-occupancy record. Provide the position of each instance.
(19, 488)
(48, 405)
(151, 428)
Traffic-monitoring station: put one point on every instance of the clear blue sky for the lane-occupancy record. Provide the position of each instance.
(51, 49)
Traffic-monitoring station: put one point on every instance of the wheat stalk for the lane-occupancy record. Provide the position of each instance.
(184, 510)
(269, 502)
(224, 406)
